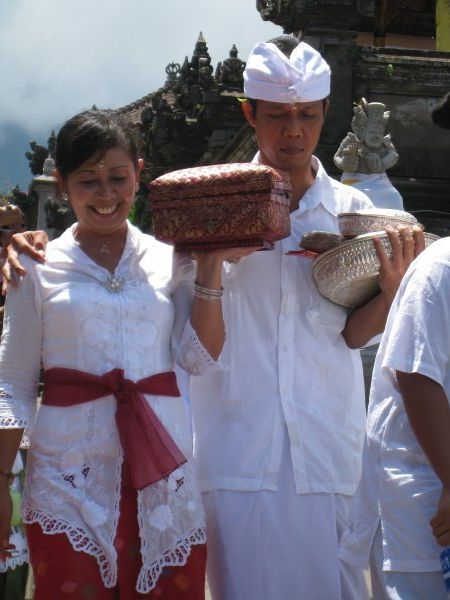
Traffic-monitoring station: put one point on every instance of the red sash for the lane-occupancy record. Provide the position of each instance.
(151, 452)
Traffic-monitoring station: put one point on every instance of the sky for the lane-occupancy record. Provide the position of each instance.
(58, 57)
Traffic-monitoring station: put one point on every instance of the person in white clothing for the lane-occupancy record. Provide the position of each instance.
(401, 514)
(400, 519)
(279, 421)
(278, 435)
(111, 497)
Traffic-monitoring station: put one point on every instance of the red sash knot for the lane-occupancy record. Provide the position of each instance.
(150, 450)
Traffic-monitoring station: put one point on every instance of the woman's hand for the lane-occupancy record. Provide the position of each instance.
(440, 523)
(5, 522)
(206, 315)
(209, 263)
(31, 243)
(407, 243)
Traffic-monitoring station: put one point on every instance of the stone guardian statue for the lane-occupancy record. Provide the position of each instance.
(366, 153)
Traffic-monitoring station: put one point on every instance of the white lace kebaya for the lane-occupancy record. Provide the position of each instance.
(63, 312)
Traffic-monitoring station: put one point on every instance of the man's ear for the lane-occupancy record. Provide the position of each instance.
(247, 109)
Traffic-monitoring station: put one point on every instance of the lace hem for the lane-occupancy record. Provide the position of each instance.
(193, 356)
(15, 561)
(79, 540)
(206, 357)
(174, 557)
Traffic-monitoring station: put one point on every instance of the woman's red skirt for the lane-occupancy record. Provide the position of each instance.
(60, 572)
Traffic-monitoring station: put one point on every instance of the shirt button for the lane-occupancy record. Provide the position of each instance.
(312, 314)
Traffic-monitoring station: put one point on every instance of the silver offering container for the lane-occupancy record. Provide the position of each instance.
(370, 220)
(348, 274)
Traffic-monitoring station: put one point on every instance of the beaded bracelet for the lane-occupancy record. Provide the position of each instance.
(9, 476)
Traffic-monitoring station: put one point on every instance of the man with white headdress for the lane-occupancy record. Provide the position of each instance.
(278, 435)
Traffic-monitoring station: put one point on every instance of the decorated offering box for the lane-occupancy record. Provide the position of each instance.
(236, 204)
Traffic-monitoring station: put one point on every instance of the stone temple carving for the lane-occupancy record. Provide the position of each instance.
(230, 72)
(193, 115)
(366, 153)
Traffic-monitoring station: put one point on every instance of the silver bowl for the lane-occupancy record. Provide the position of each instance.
(375, 219)
(348, 274)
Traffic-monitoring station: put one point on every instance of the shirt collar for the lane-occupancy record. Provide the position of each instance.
(319, 193)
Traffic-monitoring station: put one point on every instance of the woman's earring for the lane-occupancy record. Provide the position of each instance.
(65, 197)
(136, 187)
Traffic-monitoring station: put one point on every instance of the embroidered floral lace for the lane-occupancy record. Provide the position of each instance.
(75, 458)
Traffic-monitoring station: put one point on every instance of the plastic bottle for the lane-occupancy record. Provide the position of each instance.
(445, 564)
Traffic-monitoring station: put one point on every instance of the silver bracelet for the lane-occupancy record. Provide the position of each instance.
(208, 291)
(208, 294)
(207, 297)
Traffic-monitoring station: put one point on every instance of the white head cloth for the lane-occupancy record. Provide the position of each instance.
(272, 76)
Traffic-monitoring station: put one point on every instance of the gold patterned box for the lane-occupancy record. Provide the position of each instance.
(236, 204)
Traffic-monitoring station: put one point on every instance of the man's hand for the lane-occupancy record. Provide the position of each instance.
(407, 243)
(440, 523)
(31, 243)
(370, 319)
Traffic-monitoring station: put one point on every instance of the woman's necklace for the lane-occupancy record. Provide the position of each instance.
(106, 253)
(105, 248)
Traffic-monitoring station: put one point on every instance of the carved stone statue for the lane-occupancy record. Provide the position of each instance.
(205, 71)
(367, 149)
(366, 153)
(231, 71)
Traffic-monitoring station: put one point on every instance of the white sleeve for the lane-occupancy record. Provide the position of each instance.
(187, 349)
(20, 355)
(419, 340)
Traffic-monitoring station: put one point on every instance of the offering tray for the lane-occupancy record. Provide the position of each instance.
(348, 274)
(369, 220)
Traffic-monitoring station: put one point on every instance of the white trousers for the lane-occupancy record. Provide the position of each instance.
(278, 545)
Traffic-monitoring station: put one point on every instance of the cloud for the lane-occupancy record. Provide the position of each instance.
(61, 56)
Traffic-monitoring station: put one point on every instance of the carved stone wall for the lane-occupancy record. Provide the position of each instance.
(193, 116)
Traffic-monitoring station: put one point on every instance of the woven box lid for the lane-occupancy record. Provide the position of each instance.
(217, 180)
(236, 204)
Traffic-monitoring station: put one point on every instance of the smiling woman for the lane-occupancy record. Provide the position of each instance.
(101, 192)
(100, 175)
(110, 473)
